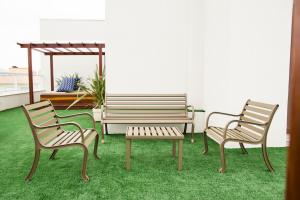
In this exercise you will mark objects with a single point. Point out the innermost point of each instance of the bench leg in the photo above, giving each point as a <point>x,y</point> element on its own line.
<point>34,164</point>
<point>128,154</point>
<point>243,148</point>
<point>174,148</point>
<point>106,129</point>
<point>96,147</point>
<point>193,128</point>
<point>102,135</point>
<point>180,146</point>
<point>84,163</point>
<point>52,157</point>
<point>184,129</point>
<point>266,157</point>
<point>223,161</point>
<point>205,143</point>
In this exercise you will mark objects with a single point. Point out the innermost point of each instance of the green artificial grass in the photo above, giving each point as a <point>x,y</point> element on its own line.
<point>153,173</point>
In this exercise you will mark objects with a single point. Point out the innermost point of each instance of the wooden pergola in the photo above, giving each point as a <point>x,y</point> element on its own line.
<point>61,49</point>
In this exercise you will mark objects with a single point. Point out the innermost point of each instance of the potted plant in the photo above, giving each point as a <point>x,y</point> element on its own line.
<point>95,87</point>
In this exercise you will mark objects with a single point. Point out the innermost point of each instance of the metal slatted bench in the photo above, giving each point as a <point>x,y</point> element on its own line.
<point>154,133</point>
<point>251,127</point>
<point>147,109</point>
<point>48,133</point>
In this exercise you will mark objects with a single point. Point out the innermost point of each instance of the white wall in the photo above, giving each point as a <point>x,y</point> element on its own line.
<point>16,100</point>
<point>247,45</point>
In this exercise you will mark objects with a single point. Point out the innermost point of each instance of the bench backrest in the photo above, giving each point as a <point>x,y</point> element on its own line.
<point>257,112</point>
<point>156,106</point>
<point>42,114</point>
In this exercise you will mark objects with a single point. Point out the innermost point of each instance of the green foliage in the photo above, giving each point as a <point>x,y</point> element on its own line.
<point>95,87</point>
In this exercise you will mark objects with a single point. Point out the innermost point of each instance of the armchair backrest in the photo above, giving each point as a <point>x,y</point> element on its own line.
<point>257,112</point>
<point>42,114</point>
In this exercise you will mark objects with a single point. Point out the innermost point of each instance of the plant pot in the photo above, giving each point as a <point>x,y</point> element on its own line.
<point>97,114</point>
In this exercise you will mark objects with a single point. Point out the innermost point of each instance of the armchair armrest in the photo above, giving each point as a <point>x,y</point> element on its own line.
<point>220,113</point>
<point>63,124</point>
<point>193,111</point>
<point>241,121</point>
<point>79,114</point>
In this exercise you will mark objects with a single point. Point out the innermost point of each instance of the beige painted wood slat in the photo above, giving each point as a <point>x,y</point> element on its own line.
<point>262,105</point>
<point>110,115</point>
<point>49,122</point>
<point>86,134</point>
<point>41,111</point>
<point>44,132</point>
<point>43,118</point>
<point>170,131</point>
<point>250,120</point>
<point>215,136</point>
<point>56,139</point>
<point>147,111</point>
<point>146,121</point>
<point>90,138</point>
<point>256,116</point>
<point>165,132</point>
<point>146,95</point>
<point>37,105</point>
<point>258,110</point>
<point>176,131</point>
<point>70,138</point>
<point>249,133</point>
<point>135,131</point>
<point>253,128</point>
<point>148,132</point>
<point>145,107</point>
<point>50,137</point>
<point>129,131</point>
<point>122,103</point>
<point>155,133</point>
<point>149,98</point>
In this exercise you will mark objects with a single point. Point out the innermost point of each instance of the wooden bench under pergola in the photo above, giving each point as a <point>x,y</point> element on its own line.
<point>61,49</point>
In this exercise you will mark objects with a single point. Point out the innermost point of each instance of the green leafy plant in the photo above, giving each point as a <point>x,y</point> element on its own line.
<point>95,87</point>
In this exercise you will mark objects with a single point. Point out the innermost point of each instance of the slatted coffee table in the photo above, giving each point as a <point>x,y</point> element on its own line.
<point>154,133</point>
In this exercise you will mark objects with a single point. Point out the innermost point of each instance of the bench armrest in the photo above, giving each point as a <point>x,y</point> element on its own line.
<point>240,121</point>
<point>193,111</point>
<point>63,124</point>
<point>79,114</point>
<point>220,113</point>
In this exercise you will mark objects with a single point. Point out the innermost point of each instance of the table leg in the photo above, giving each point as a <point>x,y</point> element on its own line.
<point>180,145</point>
<point>128,152</point>
<point>174,148</point>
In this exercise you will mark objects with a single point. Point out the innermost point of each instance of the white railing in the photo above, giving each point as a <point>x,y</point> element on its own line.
<point>14,83</point>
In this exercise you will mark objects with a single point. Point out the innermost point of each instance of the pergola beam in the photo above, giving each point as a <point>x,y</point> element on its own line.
<point>62,45</point>
<point>73,53</point>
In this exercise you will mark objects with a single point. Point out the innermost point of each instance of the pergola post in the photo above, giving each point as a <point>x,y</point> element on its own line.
<point>30,75</point>
<point>51,72</point>
<point>100,62</point>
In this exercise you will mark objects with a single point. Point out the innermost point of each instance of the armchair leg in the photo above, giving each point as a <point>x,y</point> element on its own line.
<point>184,129</point>
<point>243,148</point>
<point>205,143</point>
<point>34,164</point>
<point>266,158</point>
<point>96,147</point>
<point>222,154</point>
<point>52,157</point>
<point>84,163</point>
<point>106,129</point>
<point>193,128</point>
<point>102,135</point>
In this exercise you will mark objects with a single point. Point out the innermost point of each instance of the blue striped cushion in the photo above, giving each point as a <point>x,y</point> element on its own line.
<point>67,85</point>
